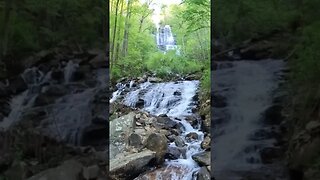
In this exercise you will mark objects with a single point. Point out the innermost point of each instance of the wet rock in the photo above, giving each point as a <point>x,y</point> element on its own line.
<point>131,165</point>
<point>203,158</point>
<point>56,90</point>
<point>69,170</point>
<point>140,103</point>
<point>191,137</point>
<point>135,140</point>
<point>269,154</point>
<point>91,172</point>
<point>203,174</point>
<point>164,173</point>
<point>256,51</point>
<point>206,143</point>
<point>177,93</point>
<point>192,120</point>
<point>166,122</point>
<point>157,143</point>
<point>179,141</point>
<point>176,153</point>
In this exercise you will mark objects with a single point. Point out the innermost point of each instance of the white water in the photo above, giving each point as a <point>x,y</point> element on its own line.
<point>162,98</point>
<point>248,87</point>
<point>165,39</point>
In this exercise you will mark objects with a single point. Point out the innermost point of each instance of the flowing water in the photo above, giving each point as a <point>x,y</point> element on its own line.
<point>69,115</point>
<point>166,40</point>
<point>243,91</point>
<point>175,99</point>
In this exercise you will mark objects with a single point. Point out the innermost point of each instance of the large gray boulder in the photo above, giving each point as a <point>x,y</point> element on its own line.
<point>130,165</point>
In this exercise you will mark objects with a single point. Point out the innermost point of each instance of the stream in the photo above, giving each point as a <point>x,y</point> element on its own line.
<point>176,100</point>
<point>243,93</point>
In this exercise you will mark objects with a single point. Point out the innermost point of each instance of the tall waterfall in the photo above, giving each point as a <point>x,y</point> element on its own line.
<point>165,39</point>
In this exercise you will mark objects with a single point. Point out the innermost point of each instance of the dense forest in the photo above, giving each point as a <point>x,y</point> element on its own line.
<point>133,48</point>
<point>29,26</point>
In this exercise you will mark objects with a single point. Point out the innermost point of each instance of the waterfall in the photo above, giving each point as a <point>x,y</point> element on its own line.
<point>165,39</point>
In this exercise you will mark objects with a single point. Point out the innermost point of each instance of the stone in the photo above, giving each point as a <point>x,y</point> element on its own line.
<point>140,103</point>
<point>166,173</point>
<point>179,142</point>
<point>177,93</point>
<point>166,122</point>
<point>131,165</point>
<point>176,153</point>
<point>157,143</point>
<point>154,79</point>
<point>206,143</point>
<point>203,158</point>
<point>203,174</point>
<point>192,120</point>
<point>69,170</point>
<point>124,124</point>
<point>135,140</point>
<point>191,137</point>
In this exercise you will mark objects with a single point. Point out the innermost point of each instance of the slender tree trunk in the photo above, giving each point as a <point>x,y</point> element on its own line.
<point>118,34</point>
<point>114,33</point>
<point>126,30</point>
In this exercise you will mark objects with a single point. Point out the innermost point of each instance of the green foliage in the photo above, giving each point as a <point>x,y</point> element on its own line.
<point>170,63</point>
<point>35,24</point>
<point>241,20</point>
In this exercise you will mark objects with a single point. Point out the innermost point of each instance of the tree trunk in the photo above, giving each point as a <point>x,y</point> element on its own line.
<point>114,33</point>
<point>126,30</point>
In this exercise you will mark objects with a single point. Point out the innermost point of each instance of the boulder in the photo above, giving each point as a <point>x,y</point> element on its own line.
<point>159,144</point>
<point>206,143</point>
<point>166,123</point>
<point>124,124</point>
<point>191,137</point>
<point>167,173</point>
<point>273,116</point>
<point>135,140</point>
<point>179,141</point>
<point>203,174</point>
<point>203,158</point>
<point>131,165</point>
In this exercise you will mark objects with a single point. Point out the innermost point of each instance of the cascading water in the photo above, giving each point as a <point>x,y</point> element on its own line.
<point>175,99</point>
<point>34,79</point>
<point>165,39</point>
<point>69,114</point>
<point>243,91</point>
